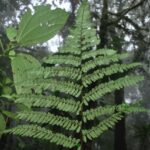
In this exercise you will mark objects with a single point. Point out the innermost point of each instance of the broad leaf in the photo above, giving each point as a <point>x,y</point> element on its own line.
<point>11,33</point>
<point>40,26</point>
<point>22,64</point>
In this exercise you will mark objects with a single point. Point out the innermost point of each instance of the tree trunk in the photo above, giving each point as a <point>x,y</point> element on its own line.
<point>120,129</point>
<point>103,25</point>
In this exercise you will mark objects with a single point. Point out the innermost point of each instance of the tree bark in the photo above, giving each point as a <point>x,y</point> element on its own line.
<point>103,25</point>
<point>120,128</point>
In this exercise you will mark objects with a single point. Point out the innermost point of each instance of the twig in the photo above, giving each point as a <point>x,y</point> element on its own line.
<point>1,44</point>
<point>122,14</point>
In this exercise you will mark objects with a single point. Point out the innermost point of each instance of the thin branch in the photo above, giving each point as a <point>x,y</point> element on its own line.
<point>122,14</point>
<point>133,23</point>
<point>136,26</point>
<point>125,11</point>
<point>1,45</point>
<point>130,32</point>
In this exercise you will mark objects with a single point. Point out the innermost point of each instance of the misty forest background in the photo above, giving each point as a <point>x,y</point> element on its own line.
<point>123,25</point>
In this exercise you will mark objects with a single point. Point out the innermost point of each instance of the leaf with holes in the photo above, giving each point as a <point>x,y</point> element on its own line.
<point>40,26</point>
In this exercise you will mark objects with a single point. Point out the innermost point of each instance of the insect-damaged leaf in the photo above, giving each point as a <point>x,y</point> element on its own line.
<point>40,26</point>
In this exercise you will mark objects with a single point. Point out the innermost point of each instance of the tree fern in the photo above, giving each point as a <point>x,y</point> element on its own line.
<point>65,86</point>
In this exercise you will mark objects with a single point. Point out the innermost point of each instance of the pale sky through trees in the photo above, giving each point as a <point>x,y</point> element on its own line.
<point>56,41</point>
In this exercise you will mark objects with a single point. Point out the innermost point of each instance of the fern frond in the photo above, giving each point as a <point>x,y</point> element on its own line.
<point>83,29</point>
<point>103,60</point>
<point>66,84</point>
<point>63,104</point>
<point>110,86</point>
<point>69,48</point>
<point>66,60</point>
<point>41,133</point>
<point>90,39</point>
<point>112,69</point>
<point>67,72</point>
<point>49,118</point>
<point>131,108</point>
<point>67,87</point>
<point>57,71</point>
<point>71,45</point>
<point>95,53</point>
<point>93,113</point>
<point>96,131</point>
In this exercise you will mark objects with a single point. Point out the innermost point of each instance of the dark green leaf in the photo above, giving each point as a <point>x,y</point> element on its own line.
<point>7,90</point>
<point>2,124</point>
<point>9,114</point>
<point>22,107</point>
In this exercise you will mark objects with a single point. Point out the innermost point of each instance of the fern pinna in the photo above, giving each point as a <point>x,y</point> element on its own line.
<point>64,90</point>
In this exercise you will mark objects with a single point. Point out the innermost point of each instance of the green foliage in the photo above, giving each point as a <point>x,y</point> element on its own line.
<point>93,113</point>
<point>2,124</point>
<point>5,89</point>
<point>107,71</point>
<point>49,118</point>
<point>9,114</point>
<point>78,75</point>
<point>104,125</point>
<point>11,33</point>
<point>44,134</point>
<point>33,28</point>
<point>110,86</point>
<point>38,26</point>
<point>23,63</point>
<point>38,100</point>
<point>5,83</point>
